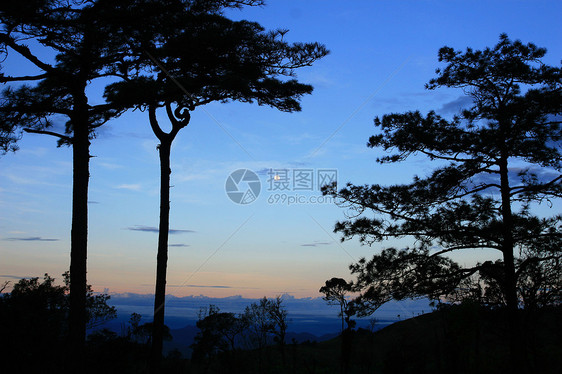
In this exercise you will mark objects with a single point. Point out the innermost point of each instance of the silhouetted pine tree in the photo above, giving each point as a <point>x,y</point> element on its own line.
<point>204,57</point>
<point>497,160</point>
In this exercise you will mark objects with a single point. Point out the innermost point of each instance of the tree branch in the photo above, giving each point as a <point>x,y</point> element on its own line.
<point>5,79</point>
<point>535,188</point>
<point>25,52</point>
<point>450,249</point>
<point>44,132</point>
<point>3,287</point>
<point>161,135</point>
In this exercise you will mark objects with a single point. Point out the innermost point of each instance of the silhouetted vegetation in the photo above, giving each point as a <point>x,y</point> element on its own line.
<point>498,159</point>
<point>34,322</point>
<point>222,335</point>
<point>204,57</point>
<point>86,43</point>
<point>337,292</point>
<point>219,336</point>
<point>462,338</point>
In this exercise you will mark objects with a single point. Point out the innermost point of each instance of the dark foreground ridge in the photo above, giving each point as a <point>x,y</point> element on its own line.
<point>453,339</point>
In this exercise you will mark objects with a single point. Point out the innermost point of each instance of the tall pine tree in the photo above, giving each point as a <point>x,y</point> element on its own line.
<point>209,58</point>
<point>497,160</point>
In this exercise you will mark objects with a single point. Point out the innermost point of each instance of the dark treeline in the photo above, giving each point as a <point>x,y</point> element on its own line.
<point>462,337</point>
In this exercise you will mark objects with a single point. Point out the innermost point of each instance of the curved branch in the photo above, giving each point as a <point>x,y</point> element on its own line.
<point>179,117</point>
<point>171,117</point>
<point>161,135</point>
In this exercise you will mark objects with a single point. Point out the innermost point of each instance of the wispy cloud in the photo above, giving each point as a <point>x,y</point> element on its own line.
<point>155,229</point>
<point>110,166</point>
<point>289,165</point>
<point>263,171</point>
<point>24,180</point>
<point>300,138</point>
<point>455,106</point>
<point>316,244</point>
<point>198,286</point>
<point>10,276</point>
<point>320,79</point>
<point>178,245</point>
<point>130,187</point>
<point>32,239</point>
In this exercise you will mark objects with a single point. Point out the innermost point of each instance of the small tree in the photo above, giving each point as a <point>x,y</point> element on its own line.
<point>266,322</point>
<point>539,281</point>
<point>278,315</point>
<point>337,292</point>
<point>131,331</point>
<point>259,322</point>
<point>218,333</point>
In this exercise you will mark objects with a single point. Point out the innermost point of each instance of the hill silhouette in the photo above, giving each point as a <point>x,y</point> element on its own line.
<point>464,338</point>
<point>460,339</point>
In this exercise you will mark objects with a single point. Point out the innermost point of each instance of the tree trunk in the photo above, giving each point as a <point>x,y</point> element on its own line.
<point>510,282</point>
<point>507,247</point>
<point>79,244</point>
<point>162,257</point>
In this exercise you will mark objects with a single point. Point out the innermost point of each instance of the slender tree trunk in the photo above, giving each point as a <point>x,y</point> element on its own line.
<point>162,257</point>
<point>509,261</point>
<point>510,282</point>
<point>164,148</point>
<point>79,242</point>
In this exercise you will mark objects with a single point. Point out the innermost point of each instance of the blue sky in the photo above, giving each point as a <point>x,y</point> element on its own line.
<point>382,53</point>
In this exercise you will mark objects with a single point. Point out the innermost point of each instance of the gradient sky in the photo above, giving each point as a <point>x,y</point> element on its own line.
<point>382,53</point>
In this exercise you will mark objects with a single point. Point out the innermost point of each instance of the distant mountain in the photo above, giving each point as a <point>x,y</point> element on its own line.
<point>182,311</point>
